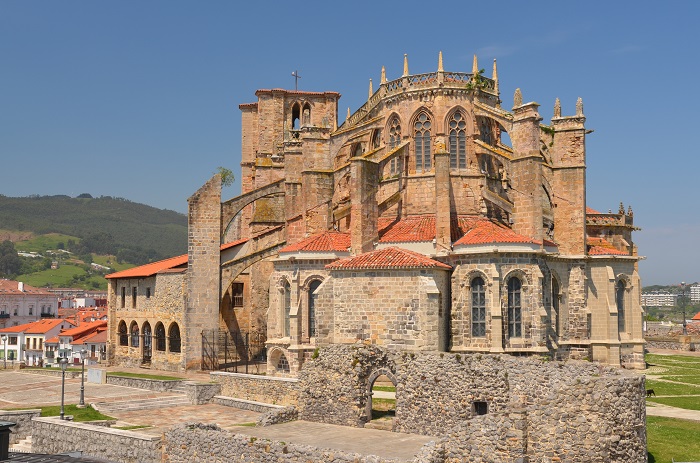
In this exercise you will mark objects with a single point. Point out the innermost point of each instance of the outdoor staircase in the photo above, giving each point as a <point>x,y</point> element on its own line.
<point>23,446</point>
<point>142,404</point>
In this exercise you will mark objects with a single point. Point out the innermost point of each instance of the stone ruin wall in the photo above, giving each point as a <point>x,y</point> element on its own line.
<point>576,411</point>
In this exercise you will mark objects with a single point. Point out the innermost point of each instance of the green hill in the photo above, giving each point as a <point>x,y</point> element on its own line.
<point>132,232</point>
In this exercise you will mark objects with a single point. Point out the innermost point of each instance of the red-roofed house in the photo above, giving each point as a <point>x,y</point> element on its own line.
<point>21,303</point>
<point>72,340</point>
<point>411,226</point>
<point>26,342</point>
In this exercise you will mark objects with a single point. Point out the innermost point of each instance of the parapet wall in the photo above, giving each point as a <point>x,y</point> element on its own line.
<point>271,390</point>
<point>22,420</point>
<point>52,436</point>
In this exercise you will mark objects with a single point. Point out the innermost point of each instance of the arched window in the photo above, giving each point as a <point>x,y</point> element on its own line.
<point>394,141</point>
<point>515,315</point>
<point>123,334</point>
<point>287,307</point>
<point>296,114</point>
<point>357,150</point>
<point>555,305</point>
<point>174,335</point>
<point>312,307</point>
<point>478,307</point>
<point>306,116</point>
<point>134,334</point>
<point>458,141</point>
<point>147,341</point>
<point>421,138</point>
<point>376,138</point>
<point>160,337</point>
<point>282,364</point>
<point>620,299</point>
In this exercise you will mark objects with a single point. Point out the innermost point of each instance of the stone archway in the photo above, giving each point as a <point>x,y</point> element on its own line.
<point>376,406</point>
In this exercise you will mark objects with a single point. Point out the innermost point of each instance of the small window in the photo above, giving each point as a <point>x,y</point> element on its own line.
<point>31,310</point>
<point>133,297</point>
<point>123,304</point>
<point>480,407</point>
<point>478,307</point>
<point>237,291</point>
<point>148,293</point>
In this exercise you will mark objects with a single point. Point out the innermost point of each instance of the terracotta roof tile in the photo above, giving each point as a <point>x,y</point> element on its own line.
<point>590,210</point>
<point>93,338</point>
<point>696,317</point>
<point>410,229</point>
<point>37,327</point>
<point>12,287</point>
<point>480,230</point>
<point>233,244</point>
<point>330,241</point>
<point>387,258</point>
<point>84,328</point>
<point>601,247</point>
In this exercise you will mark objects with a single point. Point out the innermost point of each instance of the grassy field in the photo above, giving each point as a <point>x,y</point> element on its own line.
<point>41,243</point>
<point>678,377</point>
<point>64,276</point>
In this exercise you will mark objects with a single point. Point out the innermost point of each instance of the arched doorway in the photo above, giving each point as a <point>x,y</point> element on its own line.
<point>381,400</point>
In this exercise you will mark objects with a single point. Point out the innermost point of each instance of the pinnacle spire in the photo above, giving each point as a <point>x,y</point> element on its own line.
<point>383,81</point>
<point>475,66</point>
<point>579,107</point>
<point>440,68</point>
<point>370,90</point>
<point>405,65</point>
<point>557,108</point>
<point>348,117</point>
<point>494,76</point>
<point>517,98</point>
<point>622,208</point>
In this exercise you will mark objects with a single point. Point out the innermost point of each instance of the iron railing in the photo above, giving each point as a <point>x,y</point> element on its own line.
<point>234,351</point>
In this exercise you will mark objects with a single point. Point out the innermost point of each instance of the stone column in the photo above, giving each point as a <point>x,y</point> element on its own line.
<point>443,188</point>
<point>364,176</point>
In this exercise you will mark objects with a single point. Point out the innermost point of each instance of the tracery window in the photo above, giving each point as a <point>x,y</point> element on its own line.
<point>478,307</point>
<point>485,134</point>
<point>394,141</point>
<point>287,307</point>
<point>458,141</point>
<point>620,299</point>
<point>134,334</point>
<point>123,334</point>
<point>515,316</point>
<point>421,138</point>
<point>312,307</point>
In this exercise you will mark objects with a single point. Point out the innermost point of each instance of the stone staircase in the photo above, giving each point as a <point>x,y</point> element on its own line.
<point>23,446</point>
<point>142,404</point>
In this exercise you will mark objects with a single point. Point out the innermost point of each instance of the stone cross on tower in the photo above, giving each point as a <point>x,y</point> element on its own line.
<point>296,76</point>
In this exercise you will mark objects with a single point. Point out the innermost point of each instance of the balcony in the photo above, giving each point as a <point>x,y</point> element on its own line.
<point>4,315</point>
<point>47,315</point>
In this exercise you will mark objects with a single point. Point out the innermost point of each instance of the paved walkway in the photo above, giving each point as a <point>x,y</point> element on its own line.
<point>385,444</point>
<point>654,409</point>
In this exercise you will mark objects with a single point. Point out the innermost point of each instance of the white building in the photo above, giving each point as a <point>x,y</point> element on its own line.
<point>659,299</point>
<point>695,293</point>
<point>21,303</point>
<point>25,343</point>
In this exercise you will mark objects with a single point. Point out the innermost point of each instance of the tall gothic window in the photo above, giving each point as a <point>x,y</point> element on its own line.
<point>555,305</point>
<point>485,133</point>
<point>620,299</point>
<point>421,138</point>
<point>174,335</point>
<point>160,337</point>
<point>312,307</point>
<point>458,141</point>
<point>134,334</point>
<point>478,307</point>
<point>123,334</point>
<point>394,141</point>
<point>515,314</point>
<point>287,307</point>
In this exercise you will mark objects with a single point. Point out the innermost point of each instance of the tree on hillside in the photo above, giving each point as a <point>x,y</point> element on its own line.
<point>10,262</point>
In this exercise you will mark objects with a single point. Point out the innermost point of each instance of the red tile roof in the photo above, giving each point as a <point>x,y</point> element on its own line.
<point>38,327</point>
<point>602,247</point>
<point>590,210</point>
<point>53,340</point>
<point>97,337</point>
<point>165,264</point>
<point>406,230</point>
<point>696,317</point>
<point>331,240</point>
<point>84,328</point>
<point>387,258</point>
<point>480,230</point>
<point>12,287</point>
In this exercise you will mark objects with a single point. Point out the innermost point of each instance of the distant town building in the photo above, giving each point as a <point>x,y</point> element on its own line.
<point>21,303</point>
<point>659,299</point>
<point>695,293</point>
<point>26,342</point>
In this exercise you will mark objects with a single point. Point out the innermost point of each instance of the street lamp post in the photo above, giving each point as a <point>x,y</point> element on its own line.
<point>63,361</point>
<point>83,354</point>
<point>4,352</point>
<point>685,325</point>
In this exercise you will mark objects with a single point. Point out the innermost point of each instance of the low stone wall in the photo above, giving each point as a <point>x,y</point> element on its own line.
<point>22,420</point>
<point>271,390</point>
<point>158,385</point>
<point>282,415</point>
<point>684,343</point>
<point>51,372</point>
<point>201,393</point>
<point>52,435</point>
<point>245,404</point>
<point>208,443</point>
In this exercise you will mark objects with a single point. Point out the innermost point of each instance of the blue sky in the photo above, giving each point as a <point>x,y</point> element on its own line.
<point>140,99</point>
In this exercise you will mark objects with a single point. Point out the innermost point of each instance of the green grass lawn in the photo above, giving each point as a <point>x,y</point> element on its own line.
<point>689,403</point>
<point>60,277</point>
<point>78,414</point>
<point>144,376</point>
<point>384,388</point>
<point>665,388</point>
<point>43,242</point>
<point>671,439</point>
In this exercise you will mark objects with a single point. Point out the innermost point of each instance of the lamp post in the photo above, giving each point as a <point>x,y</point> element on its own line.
<point>4,352</point>
<point>83,354</point>
<point>685,325</point>
<point>63,361</point>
